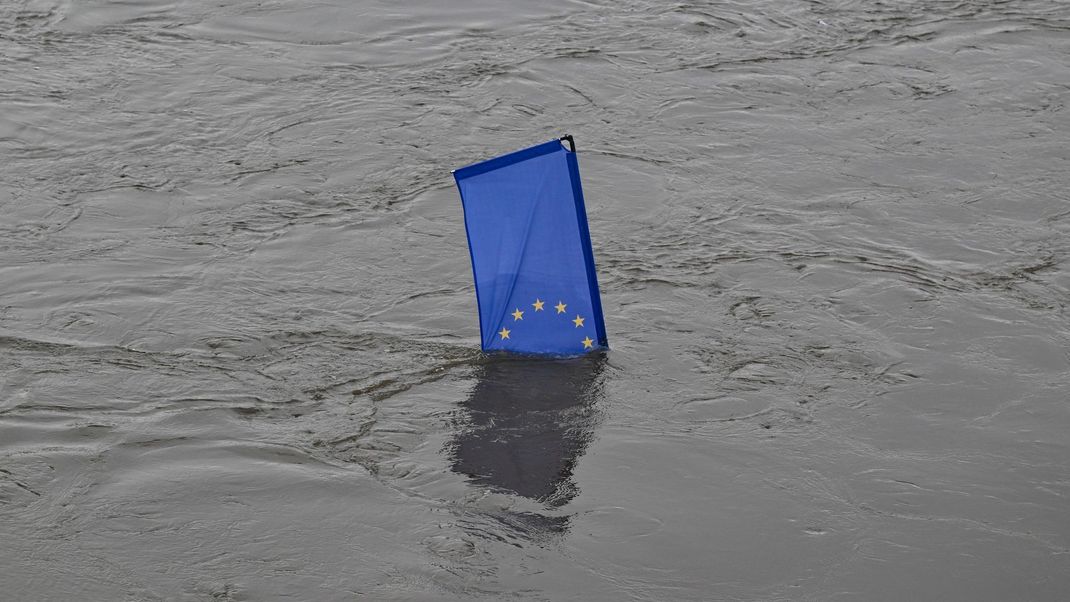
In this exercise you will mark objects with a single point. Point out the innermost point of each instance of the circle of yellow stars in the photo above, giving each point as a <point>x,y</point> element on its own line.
<point>561,307</point>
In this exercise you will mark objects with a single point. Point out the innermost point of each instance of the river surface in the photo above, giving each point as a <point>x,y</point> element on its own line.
<point>239,348</point>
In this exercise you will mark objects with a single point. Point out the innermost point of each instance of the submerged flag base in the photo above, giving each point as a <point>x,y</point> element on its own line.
<point>531,252</point>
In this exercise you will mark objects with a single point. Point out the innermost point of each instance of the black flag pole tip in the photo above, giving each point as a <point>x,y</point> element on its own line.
<point>571,142</point>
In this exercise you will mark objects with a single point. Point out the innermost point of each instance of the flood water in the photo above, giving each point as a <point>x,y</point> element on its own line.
<point>239,348</point>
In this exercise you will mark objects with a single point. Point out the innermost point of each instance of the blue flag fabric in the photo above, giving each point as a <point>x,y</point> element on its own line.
<point>531,253</point>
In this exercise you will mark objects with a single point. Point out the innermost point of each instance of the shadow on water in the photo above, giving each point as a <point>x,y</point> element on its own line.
<point>529,421</point>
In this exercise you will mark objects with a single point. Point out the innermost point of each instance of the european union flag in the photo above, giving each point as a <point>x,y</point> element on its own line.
<point>531,252</point>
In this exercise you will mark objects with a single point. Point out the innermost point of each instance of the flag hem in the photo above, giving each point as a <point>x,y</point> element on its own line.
<point>505,160</point>
<point>588,251</point>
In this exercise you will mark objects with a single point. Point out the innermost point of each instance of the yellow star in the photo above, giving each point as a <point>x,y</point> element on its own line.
<point>538,304</point>
<point>588,343</point>
<point>578,321</point>
<point>518,315</point>
<point>560,307</point>
<point>504,333</point>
